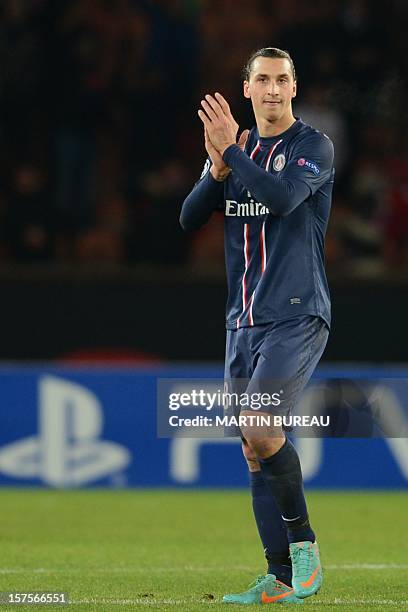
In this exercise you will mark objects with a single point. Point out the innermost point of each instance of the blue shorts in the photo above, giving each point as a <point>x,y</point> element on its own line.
<point>276,358</point>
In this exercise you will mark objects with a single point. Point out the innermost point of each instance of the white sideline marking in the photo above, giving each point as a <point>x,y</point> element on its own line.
<point>185,568</point>
<point>132,602</point>
<point>367,566</point>
<point>337,601</point>
<point>176,602</point>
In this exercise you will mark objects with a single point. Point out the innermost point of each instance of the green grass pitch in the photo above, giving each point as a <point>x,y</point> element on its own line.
<point>182,550</point>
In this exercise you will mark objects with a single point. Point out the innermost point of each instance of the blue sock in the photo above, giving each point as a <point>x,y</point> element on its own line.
<point>271,528</point>
<point>283,475</point>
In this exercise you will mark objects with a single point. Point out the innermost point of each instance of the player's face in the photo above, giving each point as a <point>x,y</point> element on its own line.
<point>271,88</point>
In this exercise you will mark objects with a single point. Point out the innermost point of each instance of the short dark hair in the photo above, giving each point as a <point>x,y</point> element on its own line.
<point>268,52</point>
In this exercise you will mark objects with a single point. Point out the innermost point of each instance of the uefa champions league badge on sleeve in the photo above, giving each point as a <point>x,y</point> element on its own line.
<point>308,164</point>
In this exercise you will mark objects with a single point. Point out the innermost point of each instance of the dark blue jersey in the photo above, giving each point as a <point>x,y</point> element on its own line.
<point>276,204</point>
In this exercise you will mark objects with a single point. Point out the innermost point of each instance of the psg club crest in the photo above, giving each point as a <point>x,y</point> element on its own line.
<point>279,162</point>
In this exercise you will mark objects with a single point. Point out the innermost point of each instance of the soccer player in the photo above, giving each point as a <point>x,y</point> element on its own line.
<point>274,187</point>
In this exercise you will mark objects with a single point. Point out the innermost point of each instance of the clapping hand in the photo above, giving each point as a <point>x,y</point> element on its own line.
<point>220,131</point>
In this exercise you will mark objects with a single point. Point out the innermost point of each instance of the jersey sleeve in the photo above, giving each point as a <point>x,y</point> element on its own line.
<point>311,162</point>
<point>308,169</point>
<point>205,197</point>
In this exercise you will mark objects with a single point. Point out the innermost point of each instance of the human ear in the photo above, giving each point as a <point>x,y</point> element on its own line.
<point>247,92</point>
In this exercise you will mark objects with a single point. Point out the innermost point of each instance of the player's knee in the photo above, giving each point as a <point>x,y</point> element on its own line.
<point>249,454</point>
<point>261,441</point>
<point>250,457</point>
<point>265,447</point>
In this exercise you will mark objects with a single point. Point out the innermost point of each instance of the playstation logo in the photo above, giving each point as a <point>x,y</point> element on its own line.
<point>68,451</point>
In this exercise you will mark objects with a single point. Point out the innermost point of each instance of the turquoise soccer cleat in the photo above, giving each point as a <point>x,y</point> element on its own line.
<point>307,576</point>
<point>264,590</point>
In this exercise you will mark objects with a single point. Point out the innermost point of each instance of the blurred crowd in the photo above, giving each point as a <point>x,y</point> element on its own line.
<point>100,140</point>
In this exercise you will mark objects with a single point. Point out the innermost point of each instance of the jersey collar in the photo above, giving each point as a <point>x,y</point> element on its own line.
<point>270,140</point>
